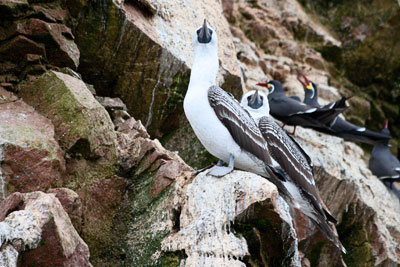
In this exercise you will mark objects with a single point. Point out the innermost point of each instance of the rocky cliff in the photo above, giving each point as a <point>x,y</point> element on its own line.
<point>87,87</point>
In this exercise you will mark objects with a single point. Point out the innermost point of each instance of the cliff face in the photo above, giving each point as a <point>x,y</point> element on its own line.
<point>86,87</point>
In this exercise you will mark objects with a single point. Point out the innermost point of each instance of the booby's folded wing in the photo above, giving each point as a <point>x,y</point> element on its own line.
<point>239,123</point>
<point>246,134</point>
<point>293,160</point>
<point>299,172</point>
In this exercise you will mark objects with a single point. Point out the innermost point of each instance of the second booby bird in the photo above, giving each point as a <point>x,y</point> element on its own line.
<point>292,112</point>
<point>294,161</point>
<point>341,127</point>
<point>223,127</point>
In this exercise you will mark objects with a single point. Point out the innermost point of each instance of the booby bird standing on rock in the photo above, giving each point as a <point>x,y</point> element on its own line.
<point>292,112</point>
<point>294,161</point>
<point>341,127</point>
<point>383,163</point>
<point>224,128</point>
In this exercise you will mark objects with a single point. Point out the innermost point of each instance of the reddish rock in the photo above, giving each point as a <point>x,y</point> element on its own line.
<point>30,156</point>
<point>111,103</point>
<point>45,233</point>
<point>13,8</point>
<point>72,205</point>
<point>14,202</point>
<point>18,47</point>
<point>6,96</point>
<point>60,47</point>
<point>102,199</point>
<point>81,124</point>
<point>166,175</point>
<point>54,15</point>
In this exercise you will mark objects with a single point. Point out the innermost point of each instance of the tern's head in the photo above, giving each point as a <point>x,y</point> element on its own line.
<point>205,38</point>
<point>310,89</point>
<point>256,102</point>
<point>273,86</point>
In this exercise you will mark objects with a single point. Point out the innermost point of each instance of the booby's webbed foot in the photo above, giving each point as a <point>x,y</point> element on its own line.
<point>219,171</point>
<point>219,163</point>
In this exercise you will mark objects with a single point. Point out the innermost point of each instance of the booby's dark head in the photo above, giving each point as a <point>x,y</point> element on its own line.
<point>310,89</point>
<point>204,34</point>
<point>256,102</point>
<point>274,87</point>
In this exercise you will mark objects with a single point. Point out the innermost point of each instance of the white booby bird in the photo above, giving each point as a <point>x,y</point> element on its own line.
<point>340,127</point>
<point>292,112</point>
<point>383,163</point>
<point>222,125</point>
<point>294,161</point>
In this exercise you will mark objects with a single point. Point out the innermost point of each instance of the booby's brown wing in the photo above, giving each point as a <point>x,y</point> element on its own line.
<point>296,164</point>
<point>246,134</point>
<point>239,123</point>
<point>289,155</point>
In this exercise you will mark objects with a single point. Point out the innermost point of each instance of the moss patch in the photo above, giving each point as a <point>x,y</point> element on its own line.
<point>355,238</point>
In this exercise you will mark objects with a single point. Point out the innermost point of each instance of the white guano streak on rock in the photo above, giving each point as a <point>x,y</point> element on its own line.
<point>163,68</point>
<point>18,226</point>
<point>212,204</point>
<point>2,175</point>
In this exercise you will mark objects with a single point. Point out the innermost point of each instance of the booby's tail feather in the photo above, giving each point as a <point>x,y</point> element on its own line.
<point>329,217</point>
<point>328,232</point>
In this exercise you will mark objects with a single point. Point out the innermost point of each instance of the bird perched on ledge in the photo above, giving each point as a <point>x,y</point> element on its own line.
<point>341,127</point>
<point>223,127</point>
<point>227,130</point>
<point>294,161</point>
<point>383,163</point>
<point>292,112</point>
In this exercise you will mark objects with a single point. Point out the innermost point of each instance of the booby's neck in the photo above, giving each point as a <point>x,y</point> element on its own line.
<point>204,68</point>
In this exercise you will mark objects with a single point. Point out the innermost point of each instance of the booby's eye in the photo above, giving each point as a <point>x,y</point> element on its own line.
<point>262,98</point>
<point>249,97</point>
<point>209,31</point>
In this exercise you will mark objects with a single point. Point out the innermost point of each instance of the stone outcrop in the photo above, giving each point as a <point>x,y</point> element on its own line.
<point>35,230</point>
<point>81,123</point>
<point>144,217</point>
<point>83,86</point>
<point>71,203</point>
<point>216,216</point>
<point>153,83</point>
<point>30,156</point>
<point>367,210</point>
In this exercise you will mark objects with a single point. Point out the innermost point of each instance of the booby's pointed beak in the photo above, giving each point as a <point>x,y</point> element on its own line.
<point>255,101</point>
<point>386,123</point>
<point>204,36</point>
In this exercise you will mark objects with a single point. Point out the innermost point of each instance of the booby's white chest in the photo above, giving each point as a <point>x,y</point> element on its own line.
<point>208,128</point>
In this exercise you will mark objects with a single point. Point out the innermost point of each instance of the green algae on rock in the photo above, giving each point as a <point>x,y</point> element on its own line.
<point>82,125</point>
<point>31,158</point>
